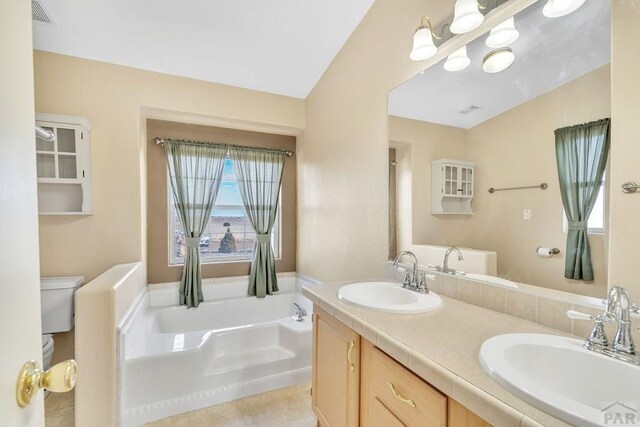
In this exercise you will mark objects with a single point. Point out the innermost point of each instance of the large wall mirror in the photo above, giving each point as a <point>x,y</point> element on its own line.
<point>454,135</point>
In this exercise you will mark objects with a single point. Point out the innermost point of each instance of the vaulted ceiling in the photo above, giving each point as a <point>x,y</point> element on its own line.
<point>276,46</point>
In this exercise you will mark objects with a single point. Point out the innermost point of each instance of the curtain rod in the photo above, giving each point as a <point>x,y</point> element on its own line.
<point>161,141</point>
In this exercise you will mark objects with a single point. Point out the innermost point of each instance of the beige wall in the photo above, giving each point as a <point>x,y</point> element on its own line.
<point>625,149</point>
<point>510,150</point>
<point>114,98</point>
<point>341,190</point>
<point>517,148</point>
<point>427,142</point>
<point>19,276</point>
<point>343,197</point>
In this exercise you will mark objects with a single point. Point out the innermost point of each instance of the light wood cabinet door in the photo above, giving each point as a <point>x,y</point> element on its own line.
<point>336,372</point>
<point>459,416</point>
<point>387,386</point>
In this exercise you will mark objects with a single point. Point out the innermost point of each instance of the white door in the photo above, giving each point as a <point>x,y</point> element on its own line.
<point>19,259</point>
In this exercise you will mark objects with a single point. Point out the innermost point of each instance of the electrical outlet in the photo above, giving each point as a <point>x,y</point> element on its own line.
<point>526,214</point>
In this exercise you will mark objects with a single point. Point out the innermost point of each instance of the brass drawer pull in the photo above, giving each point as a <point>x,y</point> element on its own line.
<point>352,345</point>
<point>399,397</point>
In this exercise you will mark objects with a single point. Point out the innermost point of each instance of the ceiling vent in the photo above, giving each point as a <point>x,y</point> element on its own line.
<point>471,108</point>
<point>38,13</point>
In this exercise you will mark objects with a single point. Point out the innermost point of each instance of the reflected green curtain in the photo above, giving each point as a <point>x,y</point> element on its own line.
<point>581,154</point>
<point>195,172</point>
<point>259,177</point>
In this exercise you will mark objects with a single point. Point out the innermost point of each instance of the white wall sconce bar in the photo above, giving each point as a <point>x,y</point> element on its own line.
<point>468,15</point>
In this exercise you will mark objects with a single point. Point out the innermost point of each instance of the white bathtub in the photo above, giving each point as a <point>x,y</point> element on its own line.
<point>174,359</point>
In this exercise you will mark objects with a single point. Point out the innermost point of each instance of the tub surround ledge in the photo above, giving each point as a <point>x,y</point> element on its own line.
<point>442,347</point>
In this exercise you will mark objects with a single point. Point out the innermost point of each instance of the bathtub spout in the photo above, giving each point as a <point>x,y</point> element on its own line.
<point>300,313</point>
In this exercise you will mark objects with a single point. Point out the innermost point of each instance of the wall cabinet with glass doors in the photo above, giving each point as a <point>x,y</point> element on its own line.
<point>64,166</point>
<point>451,186</point>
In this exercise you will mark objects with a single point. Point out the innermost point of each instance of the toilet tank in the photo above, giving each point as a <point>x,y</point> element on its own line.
<point>56,294</point>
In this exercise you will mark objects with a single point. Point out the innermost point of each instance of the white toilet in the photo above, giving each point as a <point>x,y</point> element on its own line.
<point>56,294</point>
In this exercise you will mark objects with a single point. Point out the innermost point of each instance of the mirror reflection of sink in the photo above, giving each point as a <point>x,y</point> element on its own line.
<point>559,376</point>
<point>388,297</point>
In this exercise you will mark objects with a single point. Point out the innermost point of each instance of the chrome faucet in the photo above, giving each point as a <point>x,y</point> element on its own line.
<point>411,278</point>
<point>618,309</point>
<point>300,313</point>
<point>445,263</point>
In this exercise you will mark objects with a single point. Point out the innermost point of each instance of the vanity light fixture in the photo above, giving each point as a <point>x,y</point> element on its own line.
<point>558,8</point>
<point>423,45</point>
<point>498,60</point>
<point>503,35</point>
<point>458,60</point>
<point>466,16</point>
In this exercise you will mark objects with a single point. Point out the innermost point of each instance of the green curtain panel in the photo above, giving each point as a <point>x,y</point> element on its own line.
<point>195,172</point>
<point>581,154</point>
<point>259,177</point>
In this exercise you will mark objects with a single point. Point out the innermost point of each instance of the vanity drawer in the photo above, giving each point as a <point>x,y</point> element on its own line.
<point>389,391</point>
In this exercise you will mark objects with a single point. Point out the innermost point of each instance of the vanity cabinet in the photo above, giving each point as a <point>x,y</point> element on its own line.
<point>452,183</point>
<point>64,166</point>
<point>390,394</point>
<point>356,384</point>
<point>335,373</point>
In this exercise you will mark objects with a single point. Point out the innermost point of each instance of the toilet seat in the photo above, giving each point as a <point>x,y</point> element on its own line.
<point>47,350</point>
<point>47,340</point>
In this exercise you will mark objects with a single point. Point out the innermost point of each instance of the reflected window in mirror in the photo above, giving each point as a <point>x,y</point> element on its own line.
<point>597,218</point>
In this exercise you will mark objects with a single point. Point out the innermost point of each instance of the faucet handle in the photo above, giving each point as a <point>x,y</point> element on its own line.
<point>597,339</point>
<point>577,315</point>
<point>634,308</point>
<point>408,279</point>
<point>422,285</point>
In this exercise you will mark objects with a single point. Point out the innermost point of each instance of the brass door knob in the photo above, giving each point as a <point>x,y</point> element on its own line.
<point>60,378</point>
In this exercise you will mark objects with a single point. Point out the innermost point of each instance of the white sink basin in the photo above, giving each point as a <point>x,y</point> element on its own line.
<point>557,375</point>
<point>388,297</point>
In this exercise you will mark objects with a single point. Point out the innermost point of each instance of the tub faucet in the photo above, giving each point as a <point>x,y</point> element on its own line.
<point>411,279</point>
<point>445,263</point>
<point>300,312</point>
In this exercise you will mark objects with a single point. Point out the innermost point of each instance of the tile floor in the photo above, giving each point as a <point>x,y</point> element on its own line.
<point>287,407</point>
<point>58,410</point>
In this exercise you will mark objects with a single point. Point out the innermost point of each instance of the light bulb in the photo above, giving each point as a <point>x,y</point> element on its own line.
<point>423,46</point>
<point>503,35</point>
<point>458,60</point>
<point>498,60</point>
<point>466,16</point>
<point>558,8</point>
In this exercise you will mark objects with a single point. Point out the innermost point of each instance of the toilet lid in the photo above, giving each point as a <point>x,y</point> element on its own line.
<point>47,340</point>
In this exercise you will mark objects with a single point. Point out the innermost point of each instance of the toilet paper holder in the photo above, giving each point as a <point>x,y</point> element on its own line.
<point>552,251</point>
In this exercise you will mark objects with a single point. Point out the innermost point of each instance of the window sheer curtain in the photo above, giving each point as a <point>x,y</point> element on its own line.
<point>195,172</point>
<point>581,154</point>
<point>259,177</point>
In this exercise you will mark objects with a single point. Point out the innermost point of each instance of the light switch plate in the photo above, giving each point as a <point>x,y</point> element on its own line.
<point>526,214</point>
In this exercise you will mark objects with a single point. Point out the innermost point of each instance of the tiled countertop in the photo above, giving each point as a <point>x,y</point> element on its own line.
<point>442,347</point>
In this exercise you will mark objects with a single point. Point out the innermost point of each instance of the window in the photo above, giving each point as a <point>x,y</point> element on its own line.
<point>229,235</point>
<point>597,217</point>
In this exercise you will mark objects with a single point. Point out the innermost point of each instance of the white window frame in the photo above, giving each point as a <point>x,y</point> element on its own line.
<point>592,230</point>
<point>276,237</point>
